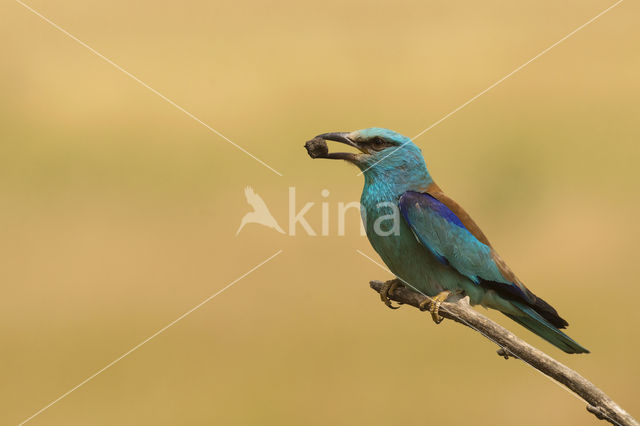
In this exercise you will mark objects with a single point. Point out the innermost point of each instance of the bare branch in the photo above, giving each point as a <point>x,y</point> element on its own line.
<point>600,404</point>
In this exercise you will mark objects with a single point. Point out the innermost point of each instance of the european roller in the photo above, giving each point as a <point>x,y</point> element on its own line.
<point>434,245</point>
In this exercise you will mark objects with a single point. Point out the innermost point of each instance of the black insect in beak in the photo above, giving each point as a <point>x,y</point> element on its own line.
<point>317,147</point>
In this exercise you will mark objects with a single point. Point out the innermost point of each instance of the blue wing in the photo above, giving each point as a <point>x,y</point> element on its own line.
<point>443,234</point>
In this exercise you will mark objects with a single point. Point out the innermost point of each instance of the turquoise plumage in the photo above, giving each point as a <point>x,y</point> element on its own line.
<point>429,241</point>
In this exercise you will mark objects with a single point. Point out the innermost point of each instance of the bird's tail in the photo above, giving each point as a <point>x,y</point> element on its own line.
<point>534,322</point>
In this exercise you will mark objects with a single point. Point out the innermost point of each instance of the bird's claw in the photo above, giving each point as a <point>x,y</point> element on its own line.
<point>434,305</point>
<point>387,290</point>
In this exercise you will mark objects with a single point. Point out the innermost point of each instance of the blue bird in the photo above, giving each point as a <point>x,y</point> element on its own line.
<point>428,241</point>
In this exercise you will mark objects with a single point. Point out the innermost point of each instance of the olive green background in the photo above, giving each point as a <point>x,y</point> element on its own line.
<point>118,212</point>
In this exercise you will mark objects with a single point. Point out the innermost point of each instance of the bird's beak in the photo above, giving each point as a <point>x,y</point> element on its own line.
<point>342,137</point>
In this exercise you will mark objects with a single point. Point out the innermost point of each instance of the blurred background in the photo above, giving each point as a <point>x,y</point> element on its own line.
<point>118,212</point>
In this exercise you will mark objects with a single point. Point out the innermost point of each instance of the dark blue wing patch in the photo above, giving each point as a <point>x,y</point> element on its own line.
<point>430,202</point>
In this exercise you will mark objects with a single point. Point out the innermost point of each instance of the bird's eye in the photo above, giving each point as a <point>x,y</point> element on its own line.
<point>378,144</point>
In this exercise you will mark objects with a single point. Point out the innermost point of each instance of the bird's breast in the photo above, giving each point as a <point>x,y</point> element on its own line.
<point>399,248</point>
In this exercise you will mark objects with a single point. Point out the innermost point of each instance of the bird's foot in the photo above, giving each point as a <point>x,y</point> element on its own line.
<point>434,305</point>
<point>387,290</point>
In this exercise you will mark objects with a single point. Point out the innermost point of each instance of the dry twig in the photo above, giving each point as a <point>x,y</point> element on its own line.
<point>600,404</point>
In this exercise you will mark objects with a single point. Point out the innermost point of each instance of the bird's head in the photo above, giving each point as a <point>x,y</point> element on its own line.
<point>381,151</point>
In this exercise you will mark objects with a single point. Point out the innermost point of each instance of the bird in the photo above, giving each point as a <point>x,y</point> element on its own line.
<point>433,245</point>
<point>260,213</point>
